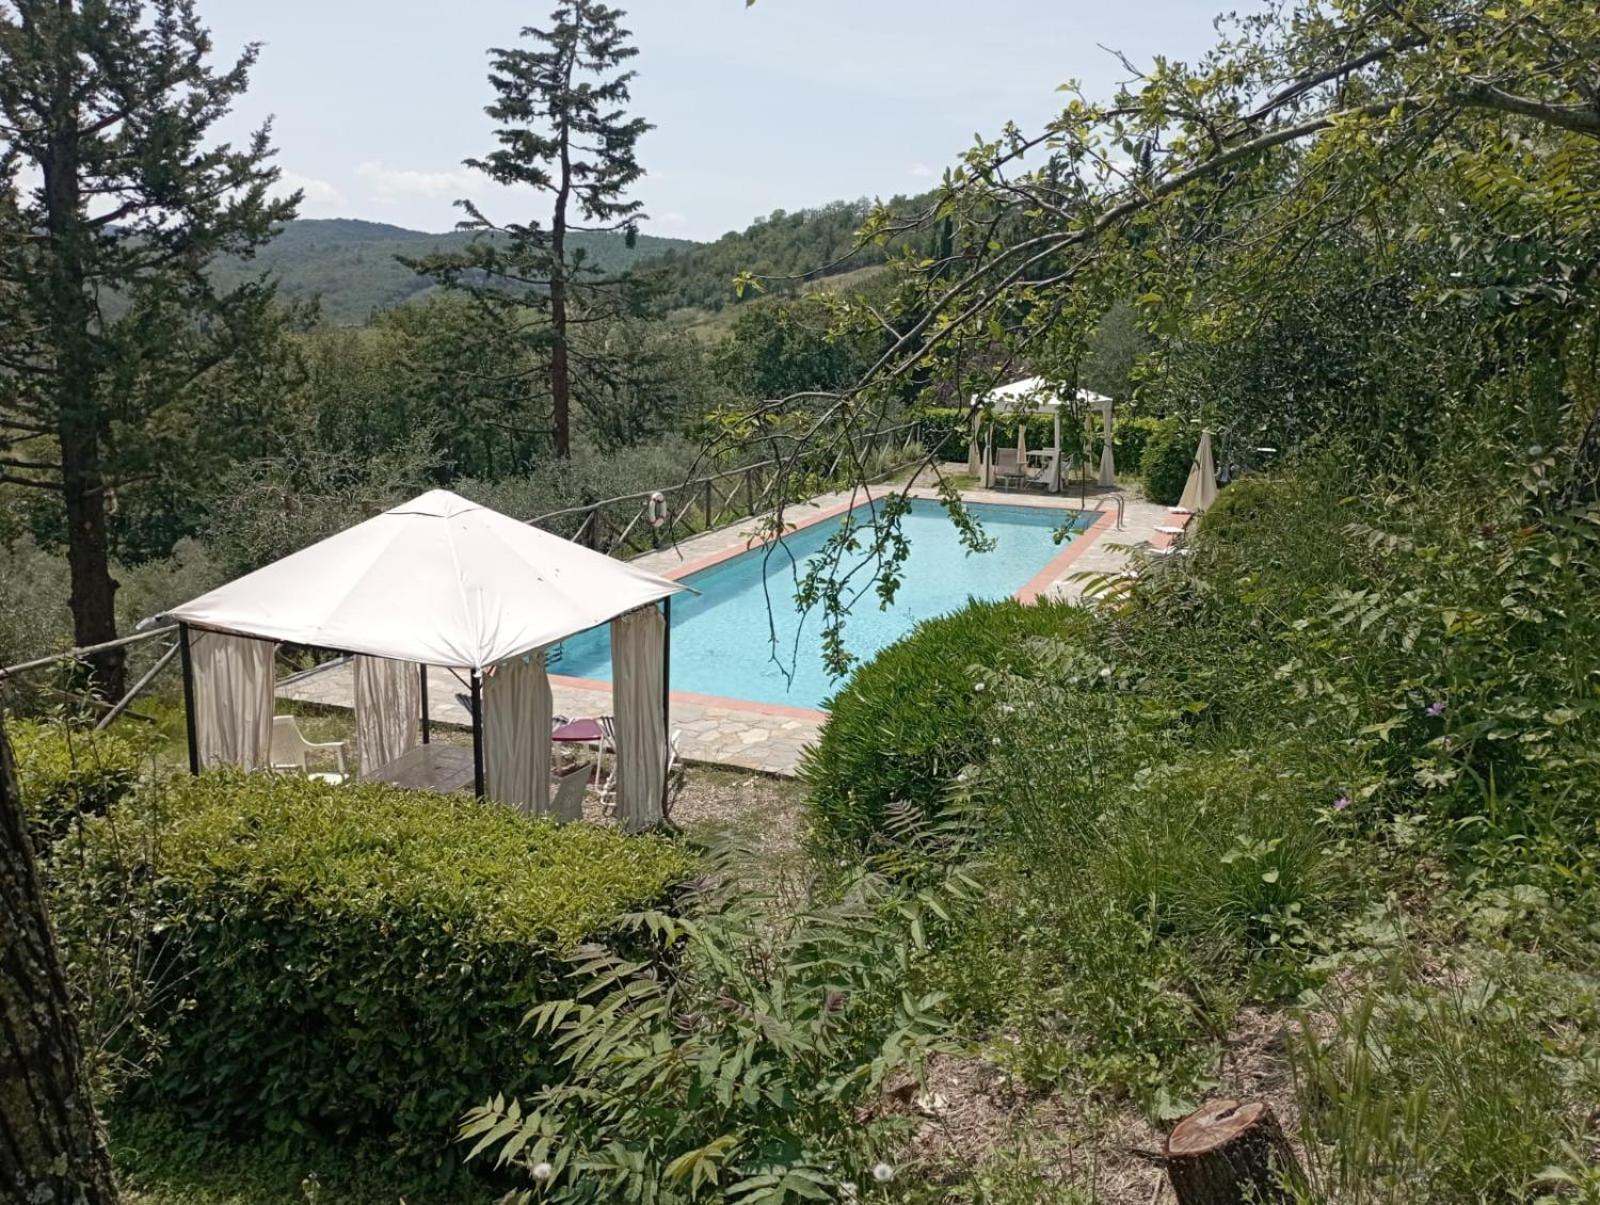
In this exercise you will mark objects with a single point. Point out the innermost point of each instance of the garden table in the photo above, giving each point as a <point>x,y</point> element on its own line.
<point>428,768</point>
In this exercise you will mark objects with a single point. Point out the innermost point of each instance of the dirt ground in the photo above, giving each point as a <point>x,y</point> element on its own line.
<point>971,1108</point>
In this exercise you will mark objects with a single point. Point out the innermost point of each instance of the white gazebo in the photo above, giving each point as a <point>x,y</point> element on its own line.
<point>1033,395</point>
<point>437,581</point>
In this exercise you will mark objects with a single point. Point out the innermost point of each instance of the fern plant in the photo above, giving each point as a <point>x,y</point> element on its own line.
<point>745,1057</point>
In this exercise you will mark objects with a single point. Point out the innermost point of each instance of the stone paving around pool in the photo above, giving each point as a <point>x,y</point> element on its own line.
<point>759,736</point>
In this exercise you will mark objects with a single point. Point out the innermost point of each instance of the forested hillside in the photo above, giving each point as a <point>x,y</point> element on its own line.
<point>355,267</point>
<point>808,244</point>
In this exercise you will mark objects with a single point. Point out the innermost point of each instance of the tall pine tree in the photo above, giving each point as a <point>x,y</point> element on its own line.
<point>563,130</point>
<point>113,202</point>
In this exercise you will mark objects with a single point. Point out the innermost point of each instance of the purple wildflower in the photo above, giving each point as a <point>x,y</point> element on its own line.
<point>1436,709</point>
<point>1341,803</point>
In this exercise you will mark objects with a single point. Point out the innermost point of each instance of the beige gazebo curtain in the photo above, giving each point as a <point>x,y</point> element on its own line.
<point>388,711</point>
<point>641,726</point>
<point>1108,460</point>
<point>233,687</point>
<point>517,709</point>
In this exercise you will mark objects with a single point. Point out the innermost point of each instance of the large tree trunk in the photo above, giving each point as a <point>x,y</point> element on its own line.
<point>560,371</point>
<point>52,1149</point>
<point>80,421</point>
<point>94,615</point>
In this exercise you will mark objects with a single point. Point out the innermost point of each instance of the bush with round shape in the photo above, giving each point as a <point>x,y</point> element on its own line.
<point>905,724</point>
<point>355,962</point>
<point>1168,457</point>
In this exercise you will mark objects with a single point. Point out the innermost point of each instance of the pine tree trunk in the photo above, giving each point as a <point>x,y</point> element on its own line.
<point>560,372</point>
<point>93,598</point>
<point>1231,1152</point>
<point>52,1149</point>
<point>80,423</point>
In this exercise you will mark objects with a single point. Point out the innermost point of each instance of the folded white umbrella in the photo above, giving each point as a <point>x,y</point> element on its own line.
<point>1200,491</point>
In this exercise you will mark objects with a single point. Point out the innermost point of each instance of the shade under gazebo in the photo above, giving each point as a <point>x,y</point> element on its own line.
<point>1034,395</point>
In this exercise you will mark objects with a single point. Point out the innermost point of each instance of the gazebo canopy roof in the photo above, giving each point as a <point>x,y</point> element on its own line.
<point>1037,395</point>
<point>437,580</point>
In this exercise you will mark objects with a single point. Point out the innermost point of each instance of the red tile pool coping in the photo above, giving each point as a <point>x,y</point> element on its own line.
<point>1029,593</point>
<point>1046,577</point>
<point>683,696</point>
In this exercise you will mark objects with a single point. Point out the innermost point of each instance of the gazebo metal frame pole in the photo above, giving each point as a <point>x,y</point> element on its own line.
<point>666,691</point>
<point>476,688</point>
<point>188,699</point>
<point>422,679</point>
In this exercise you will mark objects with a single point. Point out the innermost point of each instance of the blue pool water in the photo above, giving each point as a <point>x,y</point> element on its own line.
<point>722,638</point>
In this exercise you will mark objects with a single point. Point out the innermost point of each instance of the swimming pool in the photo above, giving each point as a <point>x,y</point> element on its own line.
<point>722,638</point>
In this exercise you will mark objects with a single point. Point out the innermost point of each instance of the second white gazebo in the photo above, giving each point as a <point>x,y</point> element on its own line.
<point>1034,395</point>
<point>437,581</point>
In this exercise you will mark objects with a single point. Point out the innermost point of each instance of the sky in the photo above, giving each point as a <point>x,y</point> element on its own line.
<point>784,105</point>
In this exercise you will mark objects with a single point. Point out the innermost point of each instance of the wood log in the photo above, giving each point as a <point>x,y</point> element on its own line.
<point>1232,1152</point>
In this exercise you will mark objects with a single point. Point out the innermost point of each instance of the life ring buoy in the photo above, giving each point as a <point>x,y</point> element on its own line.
<point>658,509</point>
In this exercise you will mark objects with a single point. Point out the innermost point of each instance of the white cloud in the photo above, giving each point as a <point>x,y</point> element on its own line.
<point>392,184</point>
<point>670,219</point>
<point>320,196</point>
<point>921,171</point>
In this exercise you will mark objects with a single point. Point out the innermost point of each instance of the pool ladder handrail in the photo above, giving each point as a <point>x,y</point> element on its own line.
<point>1119,499</point>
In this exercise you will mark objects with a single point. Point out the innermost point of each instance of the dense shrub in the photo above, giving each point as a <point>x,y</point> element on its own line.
<point>903,726</point>
<point>354,962</point>
<point>1129,437</point>
<point>1168,456</point>
<point>66,772</point>
<point>747,1061</point>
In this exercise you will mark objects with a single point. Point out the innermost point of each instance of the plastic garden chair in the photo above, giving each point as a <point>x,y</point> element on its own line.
<point>290,748</point>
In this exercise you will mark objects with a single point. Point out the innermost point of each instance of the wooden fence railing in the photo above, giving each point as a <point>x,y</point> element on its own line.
<point>622,526</point>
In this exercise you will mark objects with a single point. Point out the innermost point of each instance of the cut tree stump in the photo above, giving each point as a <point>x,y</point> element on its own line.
<point>1232,1152</point>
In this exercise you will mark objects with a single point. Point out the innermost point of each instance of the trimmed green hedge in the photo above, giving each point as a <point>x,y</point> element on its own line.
<point>905,724</point>
<point>1168,457</point>
<point>355,962</point>
<point>1128,439</point>
<point>65,772</point>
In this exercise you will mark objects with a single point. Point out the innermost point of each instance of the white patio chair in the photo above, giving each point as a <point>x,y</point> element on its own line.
<point>290,747</point>
<point>567,804</point>
<point>675,775</point>
<point>1007,465</point>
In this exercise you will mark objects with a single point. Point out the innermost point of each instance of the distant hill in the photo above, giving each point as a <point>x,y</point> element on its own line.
<point>808,243</point>
<point>351,264</point>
